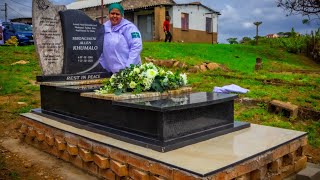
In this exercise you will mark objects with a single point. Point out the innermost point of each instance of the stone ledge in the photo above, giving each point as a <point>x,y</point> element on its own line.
<point>136,96</point>
<point>71,83</point>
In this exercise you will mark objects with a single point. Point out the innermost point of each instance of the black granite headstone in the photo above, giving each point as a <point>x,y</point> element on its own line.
<point>83,42</point>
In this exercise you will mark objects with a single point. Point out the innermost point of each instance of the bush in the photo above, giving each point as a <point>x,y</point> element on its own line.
<point>308,44</point>
<point>313,45</point>
<point>295,44</point>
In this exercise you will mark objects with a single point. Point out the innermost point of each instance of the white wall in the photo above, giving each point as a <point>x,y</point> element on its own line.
<point>197,17</point>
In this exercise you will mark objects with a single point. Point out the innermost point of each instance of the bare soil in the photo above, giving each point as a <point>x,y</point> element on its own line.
<point>24,161</point>
<point>21,161</point>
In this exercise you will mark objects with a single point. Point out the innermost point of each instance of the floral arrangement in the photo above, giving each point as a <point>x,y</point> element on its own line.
<point>142,78</point>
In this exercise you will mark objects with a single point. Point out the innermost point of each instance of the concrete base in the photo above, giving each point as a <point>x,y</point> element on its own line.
<point>257,152</point>
<point>311,172</point>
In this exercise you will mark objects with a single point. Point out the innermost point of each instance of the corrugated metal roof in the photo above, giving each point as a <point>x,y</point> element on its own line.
<point>89,3</point>
<point>137,4</point>
<point>132,4</point>
<point>199,4</point>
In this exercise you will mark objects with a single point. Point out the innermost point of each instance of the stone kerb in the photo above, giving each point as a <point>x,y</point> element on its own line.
<point>286,108</point>
<point>113,97</point>
<point>111,163</point>
<point>182,65</point>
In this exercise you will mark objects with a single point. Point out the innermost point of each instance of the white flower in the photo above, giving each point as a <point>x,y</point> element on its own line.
<point>151,73</point>
<point>147,83</point>
<point>120,86</point>
<point>132,84</point>
<point>184,78</point>
<point>136,70</point>
<point>112,78</point>
<point>165,80</point>
<point>162,72</point>
<point>169,73</point>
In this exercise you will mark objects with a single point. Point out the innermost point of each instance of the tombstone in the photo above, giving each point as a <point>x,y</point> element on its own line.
<point>83,42</point>
<point>258,64</point>
<point>68,43</point>
<point>48,38</point>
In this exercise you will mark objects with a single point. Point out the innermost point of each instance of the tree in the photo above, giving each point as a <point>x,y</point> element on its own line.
<point>310,8</point>
<point>281,34</point>
<point>293,33</point>
<point>245,40</point>
<point>257,24</point>
<point>232,40</point>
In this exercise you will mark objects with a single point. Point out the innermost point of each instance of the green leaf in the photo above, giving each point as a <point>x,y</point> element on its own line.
<point>118,92</point>
<point>157,86</point>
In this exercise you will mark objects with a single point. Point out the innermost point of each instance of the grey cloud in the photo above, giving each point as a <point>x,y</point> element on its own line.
<point>236,19</point>
<point>18,8</point>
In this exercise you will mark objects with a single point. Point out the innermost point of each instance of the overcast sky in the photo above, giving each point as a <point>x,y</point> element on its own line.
<point>236,20</point>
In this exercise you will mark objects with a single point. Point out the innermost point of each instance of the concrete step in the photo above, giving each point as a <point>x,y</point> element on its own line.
<point>311,172</point>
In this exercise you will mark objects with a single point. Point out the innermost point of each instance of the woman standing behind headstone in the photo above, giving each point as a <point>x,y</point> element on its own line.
<point>122,41</point>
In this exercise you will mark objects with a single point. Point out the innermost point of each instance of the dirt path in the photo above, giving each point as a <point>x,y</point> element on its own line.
<point>25,162</point>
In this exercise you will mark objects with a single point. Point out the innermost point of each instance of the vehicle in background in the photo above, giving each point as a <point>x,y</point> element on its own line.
<point>22,31</point>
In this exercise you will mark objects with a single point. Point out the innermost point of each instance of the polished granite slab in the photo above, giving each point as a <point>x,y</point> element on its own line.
<point>178,102</point>
<point>201,158</point>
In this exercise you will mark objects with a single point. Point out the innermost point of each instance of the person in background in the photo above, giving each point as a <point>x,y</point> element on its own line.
<point>166,29</point>
<point>122,41</point>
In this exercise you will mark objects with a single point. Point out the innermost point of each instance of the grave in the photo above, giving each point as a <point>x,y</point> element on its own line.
<point>158,122</point>
<point>178,134</point>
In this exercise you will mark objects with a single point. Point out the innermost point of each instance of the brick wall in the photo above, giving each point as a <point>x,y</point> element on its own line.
<point>194,36</point>
<point>111,163</point>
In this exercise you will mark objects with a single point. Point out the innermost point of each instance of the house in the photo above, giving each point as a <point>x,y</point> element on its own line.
<point>272,36</point>
<point>190,22</point>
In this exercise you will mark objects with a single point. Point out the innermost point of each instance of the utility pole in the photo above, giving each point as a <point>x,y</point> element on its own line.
<point>101,11</point>
<point>5,12</point>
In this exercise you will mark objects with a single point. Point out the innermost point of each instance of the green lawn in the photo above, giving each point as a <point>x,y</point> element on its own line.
<point>299,88</point>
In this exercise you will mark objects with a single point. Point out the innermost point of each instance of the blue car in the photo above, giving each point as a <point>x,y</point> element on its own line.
<point>22,31</point>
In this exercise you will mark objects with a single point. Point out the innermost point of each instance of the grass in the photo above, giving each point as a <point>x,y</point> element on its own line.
<point>299,88</point>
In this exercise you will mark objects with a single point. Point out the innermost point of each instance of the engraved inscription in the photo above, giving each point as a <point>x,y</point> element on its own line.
<point>48,36</point>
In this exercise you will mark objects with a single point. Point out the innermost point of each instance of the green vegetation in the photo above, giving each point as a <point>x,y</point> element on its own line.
<point>278,66</point>
<point>284,76</point>
<point>293,42</point>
